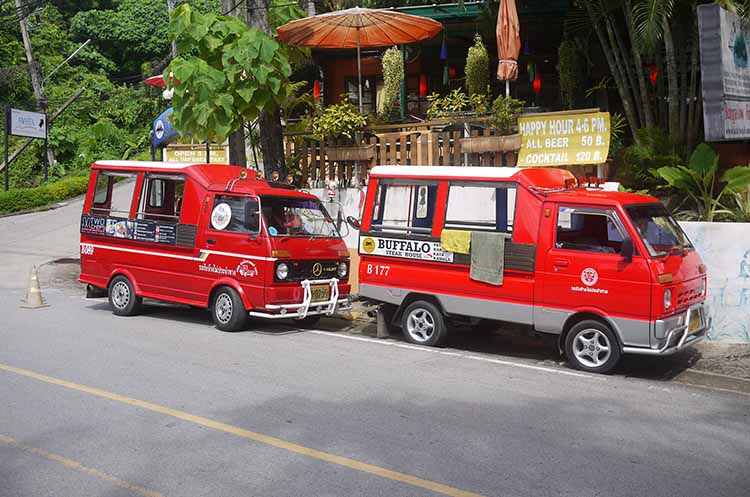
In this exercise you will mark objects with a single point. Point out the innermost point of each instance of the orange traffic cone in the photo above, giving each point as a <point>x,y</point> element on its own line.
<point>34,299</point>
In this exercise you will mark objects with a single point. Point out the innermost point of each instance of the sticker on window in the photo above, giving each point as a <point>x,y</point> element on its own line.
<point>564,218</point>
<point>221,216</point>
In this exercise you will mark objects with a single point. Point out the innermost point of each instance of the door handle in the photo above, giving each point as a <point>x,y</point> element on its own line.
<point>562,263</point>
<point>211,241</point>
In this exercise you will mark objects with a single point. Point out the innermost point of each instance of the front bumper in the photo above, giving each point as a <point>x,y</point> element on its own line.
<point>307,307</point>
<point>676,333</point>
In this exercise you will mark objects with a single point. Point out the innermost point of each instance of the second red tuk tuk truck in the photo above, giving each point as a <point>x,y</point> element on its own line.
<point>610,273</point>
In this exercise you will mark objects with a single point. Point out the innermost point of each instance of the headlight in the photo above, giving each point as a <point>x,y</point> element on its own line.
<point>667,298</point>
<point>342,270</point>
<point>282,271</point>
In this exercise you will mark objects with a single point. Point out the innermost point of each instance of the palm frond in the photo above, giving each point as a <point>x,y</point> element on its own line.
<point>648,22</point>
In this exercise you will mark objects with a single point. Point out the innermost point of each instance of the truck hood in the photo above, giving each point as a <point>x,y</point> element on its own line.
<point>310,248</point>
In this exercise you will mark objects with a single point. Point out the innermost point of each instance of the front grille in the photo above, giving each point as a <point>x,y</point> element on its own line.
<point>308,270</point>
<point>686,296</point>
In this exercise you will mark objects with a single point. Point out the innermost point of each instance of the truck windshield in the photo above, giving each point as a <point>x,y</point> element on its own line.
<point>289,216</point>
<point>660,232</point>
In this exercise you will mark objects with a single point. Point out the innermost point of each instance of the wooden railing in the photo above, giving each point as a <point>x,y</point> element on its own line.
<point>435,143</point>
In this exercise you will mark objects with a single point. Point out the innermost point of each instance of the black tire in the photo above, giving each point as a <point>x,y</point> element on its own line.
<point>592,346</point>
<point>308,322</point>
<point>227,309</point>
<point>122,297</point>
<point>423,323</point>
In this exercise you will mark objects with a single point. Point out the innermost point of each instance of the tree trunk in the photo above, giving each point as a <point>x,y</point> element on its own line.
<point>34,70</point>
<point>237,154</point>
<point>269,121</point>
<point>673,86</point>
<point>614,68</point>
<point>645,102</point>
<point>625,60</point>
<point>692,96</point>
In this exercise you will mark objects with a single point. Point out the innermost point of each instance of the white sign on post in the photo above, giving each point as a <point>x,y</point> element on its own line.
<point>29,124</point>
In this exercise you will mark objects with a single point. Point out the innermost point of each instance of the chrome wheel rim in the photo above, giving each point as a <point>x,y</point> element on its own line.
<point>420,325</point>
<point>591,347</point>
<point>223,308</point>
<point>120,295</point>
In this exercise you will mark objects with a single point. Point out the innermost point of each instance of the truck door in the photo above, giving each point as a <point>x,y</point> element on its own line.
<point>232,246</point>
<point>584,270</point>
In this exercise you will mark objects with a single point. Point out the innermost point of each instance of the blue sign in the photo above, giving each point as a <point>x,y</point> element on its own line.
<point>164,132</point>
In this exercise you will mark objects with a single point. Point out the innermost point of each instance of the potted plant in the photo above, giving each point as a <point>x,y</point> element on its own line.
<point>505,112</point>
<point>339,125</point>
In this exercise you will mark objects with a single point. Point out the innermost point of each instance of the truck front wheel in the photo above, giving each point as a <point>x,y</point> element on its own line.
<point>592,346</point>
<point>423,323</point>
<point>227,310</point>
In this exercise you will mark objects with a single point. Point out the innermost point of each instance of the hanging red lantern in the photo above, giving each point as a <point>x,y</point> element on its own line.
<point>422,85</point>
<point>452,71</point>
<point>537,84</point>
<point>653,74</point>
<point>316,90</point>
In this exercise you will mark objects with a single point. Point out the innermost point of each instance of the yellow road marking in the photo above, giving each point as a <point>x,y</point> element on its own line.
<point>75,465</point>
<point>251,435</point>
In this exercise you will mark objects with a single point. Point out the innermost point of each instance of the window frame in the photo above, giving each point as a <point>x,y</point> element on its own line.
<point>97,210</point>
<point>144,201</point>
<point>261,224</point>
<point>607,212</point>
<point>418,231</point>
<point>455,225</point>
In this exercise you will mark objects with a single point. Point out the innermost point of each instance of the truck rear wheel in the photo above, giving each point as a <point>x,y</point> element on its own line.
<point>592,346</point>
<point>423,323</point>
<point>122,297</point>
<point>227,310</point>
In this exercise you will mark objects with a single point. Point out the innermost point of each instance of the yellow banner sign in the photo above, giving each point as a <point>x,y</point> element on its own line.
<point>559,139</point>
<point>195,154</point>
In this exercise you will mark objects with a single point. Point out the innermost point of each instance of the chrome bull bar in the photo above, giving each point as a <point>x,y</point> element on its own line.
<point>307,307</point>
<point>686,337</point>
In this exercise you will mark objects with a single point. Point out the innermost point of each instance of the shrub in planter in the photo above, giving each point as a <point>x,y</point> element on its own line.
<point>699,182</point>
<point>477,68</point>
<point>505,112</point>
<point>341,120</point>
<point>393,74</point>
<point>638,163</point>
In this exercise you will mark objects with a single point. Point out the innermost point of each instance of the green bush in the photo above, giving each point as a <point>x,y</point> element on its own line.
<point>33,198</point>
<point>393,73</point>
<point>477,68</point>
<point>639,162</point>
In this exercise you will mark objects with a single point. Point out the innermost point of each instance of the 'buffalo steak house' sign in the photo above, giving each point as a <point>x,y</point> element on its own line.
<point>422,250</point>
<point>563,139</point>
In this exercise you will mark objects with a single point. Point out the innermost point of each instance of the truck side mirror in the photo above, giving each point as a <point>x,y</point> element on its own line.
<point>353,222</point>
<point>627,250</point>
<point>252,216</point>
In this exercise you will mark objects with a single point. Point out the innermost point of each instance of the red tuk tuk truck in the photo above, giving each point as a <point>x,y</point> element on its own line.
<point>611,273</point>
<point>210,236</point>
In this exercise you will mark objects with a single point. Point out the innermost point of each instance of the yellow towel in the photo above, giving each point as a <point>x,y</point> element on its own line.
<point>456,241</point>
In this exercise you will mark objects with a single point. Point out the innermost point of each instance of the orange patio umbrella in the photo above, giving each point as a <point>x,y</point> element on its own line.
<point>508,42</point>
<point>358,28</point>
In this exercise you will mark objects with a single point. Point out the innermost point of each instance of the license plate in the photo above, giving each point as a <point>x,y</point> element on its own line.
<point>320,293</point>
<point>695,322</point>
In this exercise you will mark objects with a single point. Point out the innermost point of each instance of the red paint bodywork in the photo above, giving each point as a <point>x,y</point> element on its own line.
<point>170,272</point>
<point>634,292</point>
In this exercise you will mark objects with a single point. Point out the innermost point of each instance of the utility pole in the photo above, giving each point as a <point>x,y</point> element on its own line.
<point>310,7</point>
<point>271,132</point>
<point>34,72</point>
<point>237,153</point>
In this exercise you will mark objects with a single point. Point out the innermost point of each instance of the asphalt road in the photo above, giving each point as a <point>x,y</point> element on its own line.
<point>162,404</point>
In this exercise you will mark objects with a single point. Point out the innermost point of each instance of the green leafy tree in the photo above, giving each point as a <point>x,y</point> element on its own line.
<point>230,73</point>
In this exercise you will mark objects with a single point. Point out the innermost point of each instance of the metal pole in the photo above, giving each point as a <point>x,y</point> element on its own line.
<point>507,88</point>
<point>359,73</point>
<point>5,136</point>
<point>46,143</point>
<point>208,151</point>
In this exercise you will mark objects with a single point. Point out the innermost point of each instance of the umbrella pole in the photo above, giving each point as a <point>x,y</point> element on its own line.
<point>359,73</point>
<point>507,88</point>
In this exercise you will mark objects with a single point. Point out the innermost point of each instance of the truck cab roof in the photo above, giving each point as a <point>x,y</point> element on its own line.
<point>212,177</point>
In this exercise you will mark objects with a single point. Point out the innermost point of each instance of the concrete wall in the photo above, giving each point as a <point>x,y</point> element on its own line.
<point>725,250</point>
